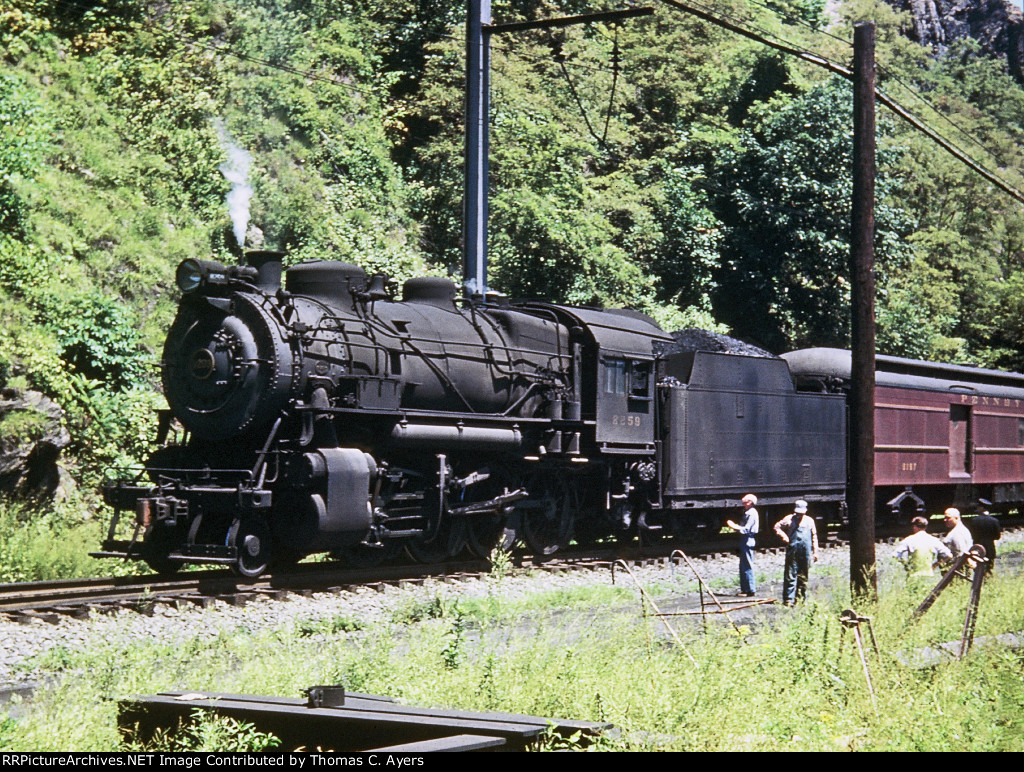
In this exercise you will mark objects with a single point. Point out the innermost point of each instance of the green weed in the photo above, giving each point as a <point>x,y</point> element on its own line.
<point>795,684</point>
<point>39,542</point>
<point>207,732</point>
<point>501,563</point>
<point>418,610</point>
<point>332,625</point>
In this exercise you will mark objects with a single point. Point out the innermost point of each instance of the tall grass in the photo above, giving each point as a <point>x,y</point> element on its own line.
<point>797,684</point>
<point>49,541</point>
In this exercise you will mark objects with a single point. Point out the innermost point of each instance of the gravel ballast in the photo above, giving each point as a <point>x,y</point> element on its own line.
<point>21,642</point>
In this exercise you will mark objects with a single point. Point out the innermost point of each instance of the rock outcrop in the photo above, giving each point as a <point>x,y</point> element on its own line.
<point>31,439</point>
<point>997,25</point>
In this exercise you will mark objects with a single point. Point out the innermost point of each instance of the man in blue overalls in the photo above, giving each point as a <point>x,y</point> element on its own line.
<point>801,537</point>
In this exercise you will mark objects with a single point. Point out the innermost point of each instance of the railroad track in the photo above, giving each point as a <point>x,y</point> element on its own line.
<point>76,597</point>
<point>49,601</point>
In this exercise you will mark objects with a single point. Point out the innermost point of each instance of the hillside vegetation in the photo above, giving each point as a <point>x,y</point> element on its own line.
<point>666,165</point>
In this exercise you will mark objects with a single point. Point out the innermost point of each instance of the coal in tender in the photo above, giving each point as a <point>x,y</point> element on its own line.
<point>693,339</point>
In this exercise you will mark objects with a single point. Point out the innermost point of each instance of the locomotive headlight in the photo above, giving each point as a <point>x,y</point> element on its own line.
<point>193,274</point>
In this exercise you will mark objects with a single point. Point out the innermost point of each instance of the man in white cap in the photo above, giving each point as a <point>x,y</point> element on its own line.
<point>959,538</point>
<point>748,527</point>
<point>801,537</point>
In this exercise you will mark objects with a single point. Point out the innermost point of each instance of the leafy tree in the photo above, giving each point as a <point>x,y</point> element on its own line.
<point>999,321</point>
<point>688,258</point>
<point>98,339</point>
<point>784,278</point>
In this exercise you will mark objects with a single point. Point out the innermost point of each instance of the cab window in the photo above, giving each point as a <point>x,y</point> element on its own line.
<point>615,376</point>
<point>631,378</point>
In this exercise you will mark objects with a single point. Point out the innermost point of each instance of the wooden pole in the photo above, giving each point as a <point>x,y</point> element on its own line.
<point>863,575</point>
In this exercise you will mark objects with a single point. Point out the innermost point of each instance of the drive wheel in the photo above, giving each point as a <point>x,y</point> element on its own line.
<point>486,533</point>
<point>496,530</point>
<point>547,518</point>
<point>251,538</point>
<point>449,542</point>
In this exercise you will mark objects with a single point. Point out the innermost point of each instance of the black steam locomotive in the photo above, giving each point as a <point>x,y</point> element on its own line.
<point>325,415</point>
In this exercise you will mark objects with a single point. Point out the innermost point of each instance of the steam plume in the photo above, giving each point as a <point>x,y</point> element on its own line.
<point>236,171</point>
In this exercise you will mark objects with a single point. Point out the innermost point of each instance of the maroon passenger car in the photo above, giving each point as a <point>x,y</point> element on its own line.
<point>945,435</point>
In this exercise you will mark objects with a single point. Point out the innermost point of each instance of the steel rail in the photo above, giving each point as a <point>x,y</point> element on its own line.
<point>71,596</point>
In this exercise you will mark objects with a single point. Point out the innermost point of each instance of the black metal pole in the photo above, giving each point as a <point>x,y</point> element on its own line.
<point>863,576</point>
<point>478,83</point>
<point>478,43</point>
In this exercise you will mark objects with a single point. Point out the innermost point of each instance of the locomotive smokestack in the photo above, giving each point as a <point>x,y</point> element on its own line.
<point>268,264</point>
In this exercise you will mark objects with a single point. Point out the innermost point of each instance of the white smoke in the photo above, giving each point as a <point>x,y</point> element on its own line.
<point>472,287</point>
<point>236,171</point>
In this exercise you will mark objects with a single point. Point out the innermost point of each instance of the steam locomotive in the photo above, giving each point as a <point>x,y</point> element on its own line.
<point>322,414</point>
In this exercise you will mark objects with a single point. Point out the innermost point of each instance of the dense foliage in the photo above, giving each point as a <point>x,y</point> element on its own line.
<point>664,164</point>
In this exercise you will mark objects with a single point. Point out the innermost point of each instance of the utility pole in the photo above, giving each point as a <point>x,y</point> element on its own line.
<point>478,83</point>
<point>475,209</point>
<point>863,575</point>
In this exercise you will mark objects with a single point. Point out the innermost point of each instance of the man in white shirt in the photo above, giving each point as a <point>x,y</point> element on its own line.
<point>959,538</point>
<point>921,552</point>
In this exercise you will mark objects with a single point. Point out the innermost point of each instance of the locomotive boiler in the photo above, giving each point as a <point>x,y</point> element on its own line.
<point>315,411</point>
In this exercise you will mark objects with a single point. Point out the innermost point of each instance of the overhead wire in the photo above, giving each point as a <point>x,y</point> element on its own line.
<point>892,76</point>
<point>713,16</point>
<point>889,74</point>
<point>560,58</point>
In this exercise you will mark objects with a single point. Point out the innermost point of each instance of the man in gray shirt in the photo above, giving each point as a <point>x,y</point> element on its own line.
<point>748,527</point>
